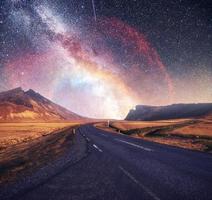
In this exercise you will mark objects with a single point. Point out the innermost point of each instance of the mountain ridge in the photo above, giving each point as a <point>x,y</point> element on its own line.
<point>173,111</point>
<point>19,105</point>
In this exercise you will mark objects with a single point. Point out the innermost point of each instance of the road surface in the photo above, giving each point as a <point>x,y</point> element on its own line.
<point>124,168</point>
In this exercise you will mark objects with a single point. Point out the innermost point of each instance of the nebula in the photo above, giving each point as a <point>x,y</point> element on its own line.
<point>98,69</point>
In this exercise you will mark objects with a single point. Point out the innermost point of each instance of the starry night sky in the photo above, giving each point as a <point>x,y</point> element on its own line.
<point>135,52</point>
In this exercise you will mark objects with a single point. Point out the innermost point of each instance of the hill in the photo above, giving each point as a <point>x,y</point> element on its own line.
<point>175,111</point>
<point>18,105</point>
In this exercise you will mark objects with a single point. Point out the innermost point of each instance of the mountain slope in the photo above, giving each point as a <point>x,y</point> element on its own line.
<point>175,111</point>
<point>18,105</point>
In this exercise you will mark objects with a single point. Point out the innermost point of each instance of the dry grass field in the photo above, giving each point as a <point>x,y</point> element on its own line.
<point>201,128</point>
<point>28,146</point>
<point>128,125</point>
<point>14,133</point>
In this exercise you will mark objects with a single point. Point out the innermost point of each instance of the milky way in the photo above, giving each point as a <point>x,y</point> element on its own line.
<point>98,67</point>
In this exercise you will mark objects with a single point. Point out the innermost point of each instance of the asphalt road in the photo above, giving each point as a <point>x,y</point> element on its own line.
<point>120,167</point>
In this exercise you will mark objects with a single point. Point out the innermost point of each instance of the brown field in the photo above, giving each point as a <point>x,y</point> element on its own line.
<point>185,133</point>
<point>28,146</point>
<point>202,128</point>
<point>128,125</point>
<point>14,133</point>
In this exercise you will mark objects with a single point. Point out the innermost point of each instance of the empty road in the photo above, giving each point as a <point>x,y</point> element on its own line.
<point>120,167</point>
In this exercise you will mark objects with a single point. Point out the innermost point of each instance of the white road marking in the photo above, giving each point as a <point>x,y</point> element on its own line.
<point>103,134</point>
<point>147,190</point>
<point>87,139</point>
<point>97,148</point>
<point>135,145</point>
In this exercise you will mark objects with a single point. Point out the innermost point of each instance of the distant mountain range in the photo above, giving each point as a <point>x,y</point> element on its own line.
<point>175,111</point>
<point>18,105</point>
<point>29,106</point>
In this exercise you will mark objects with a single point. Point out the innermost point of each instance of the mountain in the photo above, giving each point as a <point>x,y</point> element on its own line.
<point>175,111</point>
<point>18,105</point>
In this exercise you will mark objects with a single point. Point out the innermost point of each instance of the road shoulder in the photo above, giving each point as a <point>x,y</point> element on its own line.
<point>77,152</point>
